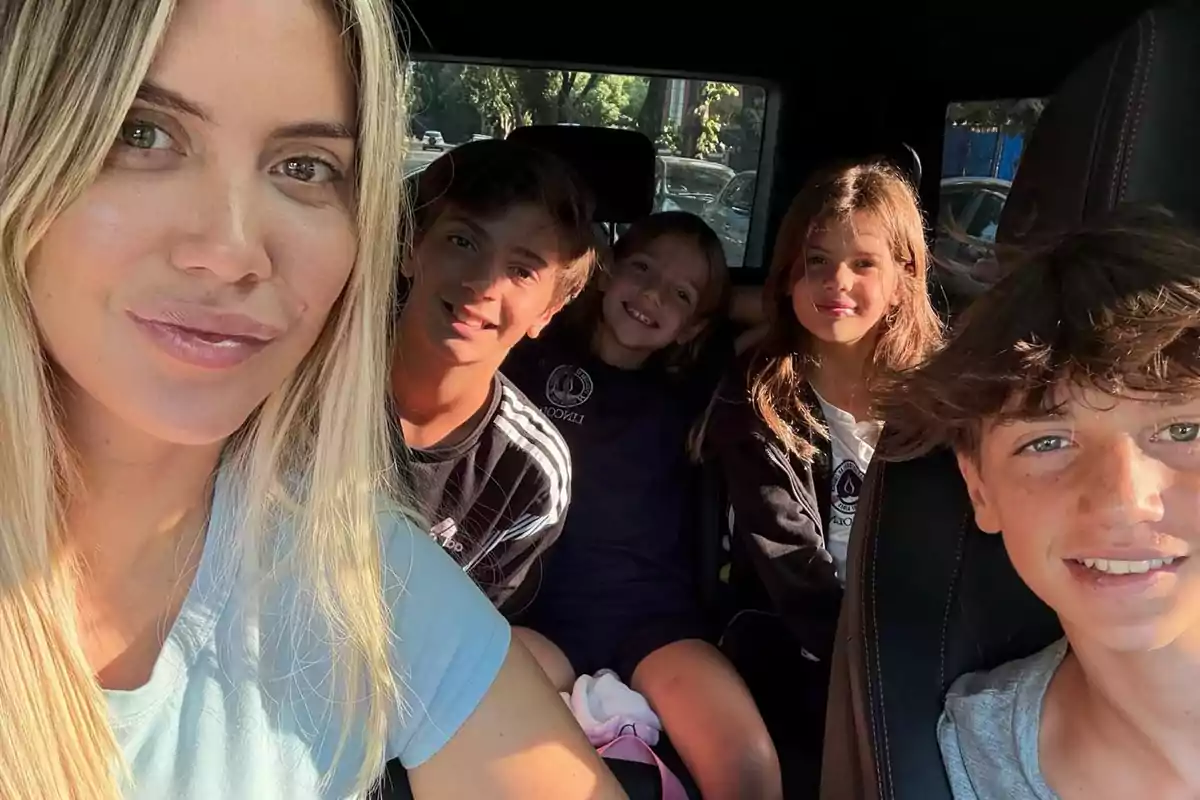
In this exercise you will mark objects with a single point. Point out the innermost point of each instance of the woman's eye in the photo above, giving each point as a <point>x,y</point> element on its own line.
<point>864,263</point>
<point>1183,432</point>
<point>522,273</point>
<point>460,241</point>
<point>1044,444</point>
<point>141,135</point>
<point>309,170</point>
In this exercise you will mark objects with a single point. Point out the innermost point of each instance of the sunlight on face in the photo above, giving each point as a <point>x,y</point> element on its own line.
<point>481,285</point>
<point>1100,512</point>
<point>847,279</point>
<point>195,274</point>
<point>653,296</point>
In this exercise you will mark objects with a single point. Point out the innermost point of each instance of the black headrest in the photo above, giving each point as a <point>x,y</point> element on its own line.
<point>617,165</point>
<point>1122,128</point>
<point>932,597</point>
<point>870,145</point>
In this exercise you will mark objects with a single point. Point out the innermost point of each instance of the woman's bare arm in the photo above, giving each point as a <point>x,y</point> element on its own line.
<point>520,743</point>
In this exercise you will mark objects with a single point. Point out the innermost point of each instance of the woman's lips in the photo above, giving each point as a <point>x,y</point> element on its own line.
<point>204,338</point>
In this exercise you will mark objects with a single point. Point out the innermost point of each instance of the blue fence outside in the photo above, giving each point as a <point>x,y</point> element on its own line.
<point>968,152</point>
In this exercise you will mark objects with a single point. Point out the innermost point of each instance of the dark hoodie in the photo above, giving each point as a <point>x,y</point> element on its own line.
<point>780,511</point>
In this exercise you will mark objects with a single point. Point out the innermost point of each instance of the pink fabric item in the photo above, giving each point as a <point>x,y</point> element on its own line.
<point>631,748</point>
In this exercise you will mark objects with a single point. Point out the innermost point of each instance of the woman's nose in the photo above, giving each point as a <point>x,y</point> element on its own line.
<point>225,236</point>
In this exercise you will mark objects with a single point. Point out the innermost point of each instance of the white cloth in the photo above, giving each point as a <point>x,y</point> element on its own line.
<point>853,446</point>
<point>606,708</point>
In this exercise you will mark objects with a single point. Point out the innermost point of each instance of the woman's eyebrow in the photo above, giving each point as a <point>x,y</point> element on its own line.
<point>314,130</point>
<point>156,95</point>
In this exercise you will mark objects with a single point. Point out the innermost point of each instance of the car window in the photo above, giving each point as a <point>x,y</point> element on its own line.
<point>741,199</point>
<point>699,178</point>
<point>954,206</point>
<point>982,148</point>
<point>987,216</point>
<point>731,188</point>
<point>707,130</point>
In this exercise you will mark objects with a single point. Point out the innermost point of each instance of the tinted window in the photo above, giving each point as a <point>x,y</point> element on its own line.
<point>699,178</point>
<point>742,197</point>
<point>955,203</point>
<point>982,149</point>
<point>714,127</point>
<point>987,216</point>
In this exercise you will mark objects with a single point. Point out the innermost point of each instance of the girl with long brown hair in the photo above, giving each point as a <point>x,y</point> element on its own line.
<point>845,297</point>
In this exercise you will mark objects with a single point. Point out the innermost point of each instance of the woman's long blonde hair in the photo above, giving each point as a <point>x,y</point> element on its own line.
<point>69,71</point>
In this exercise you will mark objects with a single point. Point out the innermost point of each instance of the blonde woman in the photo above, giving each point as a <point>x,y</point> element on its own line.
<point>199,597</point>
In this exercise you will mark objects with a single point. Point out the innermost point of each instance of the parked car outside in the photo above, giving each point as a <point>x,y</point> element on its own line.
<point>687,184</point>
<point>965,242</point>
<point>729,215</point>
<point>433,141</point>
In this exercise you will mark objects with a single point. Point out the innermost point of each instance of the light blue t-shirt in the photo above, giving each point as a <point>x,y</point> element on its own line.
<point>988,732</point>
<point>240,703</point>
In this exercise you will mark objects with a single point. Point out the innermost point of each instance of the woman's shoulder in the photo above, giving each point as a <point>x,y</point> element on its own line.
<point>448,641</point>
<point>426,589</point>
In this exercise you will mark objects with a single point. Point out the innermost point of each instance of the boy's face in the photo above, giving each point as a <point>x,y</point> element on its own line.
<point>481,285</point>
<point>1100,513</point>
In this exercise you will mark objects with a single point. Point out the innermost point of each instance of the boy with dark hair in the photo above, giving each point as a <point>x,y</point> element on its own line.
<point>503,239</point>
<point>1071,395</point>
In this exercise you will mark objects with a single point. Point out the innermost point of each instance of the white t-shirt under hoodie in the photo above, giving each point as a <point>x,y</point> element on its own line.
<point>852,447</point>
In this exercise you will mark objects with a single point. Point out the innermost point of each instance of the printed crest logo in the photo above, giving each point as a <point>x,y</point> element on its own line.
<point>569,386</point>
<point>847,483</point>
<point>444,532</point>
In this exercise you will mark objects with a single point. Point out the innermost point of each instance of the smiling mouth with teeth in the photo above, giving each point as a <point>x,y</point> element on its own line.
<point>469,320</point>
<point>639,316</point>
<point>1112,566</point>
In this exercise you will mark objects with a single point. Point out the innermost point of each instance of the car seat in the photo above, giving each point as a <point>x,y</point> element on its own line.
<point>617,165</point>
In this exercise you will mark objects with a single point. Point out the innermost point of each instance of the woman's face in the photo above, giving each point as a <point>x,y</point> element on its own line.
<point>190,280</point>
